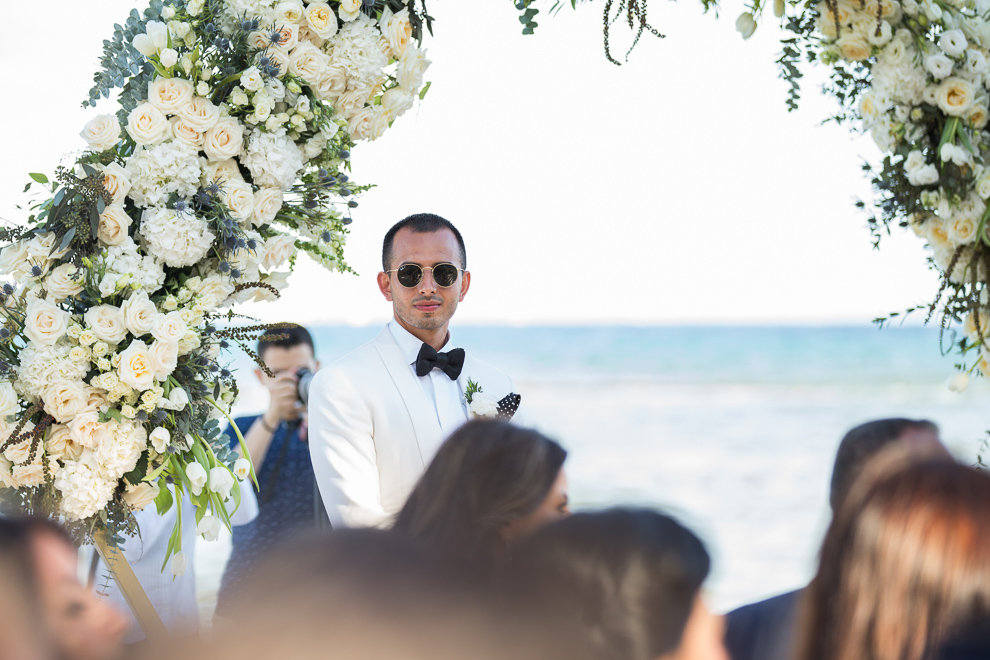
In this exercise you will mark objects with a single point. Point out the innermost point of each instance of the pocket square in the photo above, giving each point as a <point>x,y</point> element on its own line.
<point>508,406</point>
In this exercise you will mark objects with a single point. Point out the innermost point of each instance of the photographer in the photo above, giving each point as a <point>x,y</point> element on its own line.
<point>277,442</point>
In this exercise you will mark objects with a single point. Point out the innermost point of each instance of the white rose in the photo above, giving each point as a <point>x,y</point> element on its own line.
<point>102,132</point>
<point>349,10</point>
<point>252,79</point>
<point>139,313</point>
<point>412,66</point>
<point>397,101</point>
<point>64,281</point>
<point>483,404</point>
<point>45,323</point>
<point>154,39</point>
<point>86,429</point>
<point>60,445</point>
<point>183,131</point>
<point>114,223</point>
<point>29,475</point>
<point>160,439</point>
<point>115,182</point>
<point>136,367</point>
<point>208,527</point>
<point>9,401</point>
<point>955,96</point>
<point>199,114</point>
<point>224,140</point>
<point>242,468</point>
<point>169,327</point>
<point>953,43</point>
<point>978,115</point>
<point>307,62</point>
<point>289,11</point>
<point>18,453</point>
<point>321,20</point>
<point>925,175</point>
<point>168,58</point>
<point>397,30</point>
<point>332,83</point>
<point>107,323</point>
<point>239,198</point>
<point>221,171</point>
<point>278,249</point>
<point>197,477</point>
<point>96,399</point>
<point>179,563</point>
<point>147,125</point>
<point>267,204</point>
<point>853,46</point>
<point>939,66</point>
<point>141,495</point>
<point>170,95</point>
<point>164,355</point>
<point>221,481</point>
<point>360,123</point>
<point>64,399</point>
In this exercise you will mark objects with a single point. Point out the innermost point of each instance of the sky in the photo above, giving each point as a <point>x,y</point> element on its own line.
<point>675,189</point>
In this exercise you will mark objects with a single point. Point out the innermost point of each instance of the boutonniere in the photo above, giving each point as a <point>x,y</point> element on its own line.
<point>482,404</point>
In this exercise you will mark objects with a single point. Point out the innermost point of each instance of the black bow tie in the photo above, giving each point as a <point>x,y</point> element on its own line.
<point>450,362</point>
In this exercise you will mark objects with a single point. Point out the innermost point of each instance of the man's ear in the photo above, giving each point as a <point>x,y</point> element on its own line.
<point>385,286</point>
<point>465,285</point>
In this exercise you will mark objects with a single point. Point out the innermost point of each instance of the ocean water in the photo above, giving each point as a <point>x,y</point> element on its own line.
<point>732,429</point>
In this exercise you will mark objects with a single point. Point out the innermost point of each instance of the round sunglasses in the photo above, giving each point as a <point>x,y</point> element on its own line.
<point>410,275</point>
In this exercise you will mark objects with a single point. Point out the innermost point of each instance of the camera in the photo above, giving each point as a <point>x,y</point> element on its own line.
<point>302,385</point>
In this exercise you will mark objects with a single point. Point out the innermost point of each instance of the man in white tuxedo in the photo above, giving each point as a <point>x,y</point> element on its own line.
<point>379,414</point>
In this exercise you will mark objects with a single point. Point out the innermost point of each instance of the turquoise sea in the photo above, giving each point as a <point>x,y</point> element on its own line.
<point>731,428</point>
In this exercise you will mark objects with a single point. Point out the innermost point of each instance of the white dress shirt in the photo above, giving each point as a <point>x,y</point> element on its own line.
<point>442,391</point>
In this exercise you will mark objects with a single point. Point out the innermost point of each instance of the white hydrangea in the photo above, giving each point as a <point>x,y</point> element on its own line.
<point>125,260</point>
<point>357,50</point>
<point>178,239</point>
<point>158,171</point>
<point>42,365</point>
<point>84,486</point>
<point>121,448</point>
<point>273,159</point>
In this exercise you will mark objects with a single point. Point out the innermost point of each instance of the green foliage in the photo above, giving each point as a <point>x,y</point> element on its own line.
<point>122,66</point>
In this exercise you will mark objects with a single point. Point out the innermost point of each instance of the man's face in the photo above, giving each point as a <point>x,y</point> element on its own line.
<point>425,306</point>
<point>286,360</point>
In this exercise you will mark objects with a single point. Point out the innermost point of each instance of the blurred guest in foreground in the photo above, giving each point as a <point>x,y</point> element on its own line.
<point>366,594</point>
<point>75,623</point>
<point>765,630</point>
<point>490,485</point>
<point>627,582</point>
<point>903,565</point>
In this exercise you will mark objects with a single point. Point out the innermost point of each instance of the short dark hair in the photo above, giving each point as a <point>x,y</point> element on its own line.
<point>421,223</point>
<point>628,577</point>
<point>863,443</point>
<point>294,336</point>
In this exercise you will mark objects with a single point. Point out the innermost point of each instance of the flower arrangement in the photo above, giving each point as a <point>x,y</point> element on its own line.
<point>227,158</point>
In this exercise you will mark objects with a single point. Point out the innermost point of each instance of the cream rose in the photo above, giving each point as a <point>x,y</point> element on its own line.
<point>9,401</point>
<point>107,323</point>
<point>331,84</point>
<point>101,132</point>
<point>19,453</point>
<point>239,198</point>
<point>278,249</point>
<point>139,313</point>
<point>86,429</point>
<point>397,31</point>
<point>140,495</point>
<point>308,63</point>
<point>977,116</point>
<point>183,131</point>
<point>64,281</point>
<point>114,223</point>
<point>169,327</point>
<point>853,46</point>
<point>115,182</point>
<point>199,114</point>
<point>397,101</point>
<point>359,125</point>
<point>321,20</point>
<point>64,399</point>
<point>349,10</point>
<point>147,125</point>
<point>224,140</point>
<point>136,366</point>
<point>170,95</point>
<point>29,475</point>
<point>164,355</point>
<point>412,66</point>
<point>45,323</point>
<point>220,172</point>
<point>267,204</point>
<point>351,102</point>
<point>60,445</point>
<point>96,399</point>
<point>955,96</point>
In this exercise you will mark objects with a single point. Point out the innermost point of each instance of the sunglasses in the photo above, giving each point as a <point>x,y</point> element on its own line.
<point>409,275</point>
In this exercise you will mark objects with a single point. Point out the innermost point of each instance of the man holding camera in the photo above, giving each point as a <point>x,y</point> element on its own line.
<point>277,441</point>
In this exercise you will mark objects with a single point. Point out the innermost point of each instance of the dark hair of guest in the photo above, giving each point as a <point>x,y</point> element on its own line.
<point>626,578</point>
<point>486,474</point>
<point>17,537</point>
<point>420,223</point>
<point>903,564</point>
<point>861,444</point>
<point>293,336</point>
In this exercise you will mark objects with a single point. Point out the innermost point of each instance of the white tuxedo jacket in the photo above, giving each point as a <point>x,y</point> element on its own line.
<point>373,430</point>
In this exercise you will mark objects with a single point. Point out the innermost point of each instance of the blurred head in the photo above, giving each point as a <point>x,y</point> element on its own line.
<point>294,351</point>
<point>490,485</point>
<point>628,581</point>
<point>867,440</point>
<point>426,240</point>
<point>904,562</point>
<point>80,626</point>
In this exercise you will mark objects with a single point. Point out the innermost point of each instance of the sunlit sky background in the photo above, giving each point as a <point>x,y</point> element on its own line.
<point>673,189</point>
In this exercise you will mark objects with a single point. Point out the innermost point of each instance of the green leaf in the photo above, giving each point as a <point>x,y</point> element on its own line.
<point>40,178</point>
<point>164,500</point>
<point>66,240</point>
<point>422,92</point>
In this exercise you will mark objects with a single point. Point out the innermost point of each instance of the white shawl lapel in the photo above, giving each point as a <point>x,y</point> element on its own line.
<point>422,415</point>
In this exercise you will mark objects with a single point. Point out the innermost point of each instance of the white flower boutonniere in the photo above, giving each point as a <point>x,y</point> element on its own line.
<point>483,404</point>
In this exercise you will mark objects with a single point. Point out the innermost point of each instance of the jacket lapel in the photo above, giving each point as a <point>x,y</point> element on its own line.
<point>421,413</point>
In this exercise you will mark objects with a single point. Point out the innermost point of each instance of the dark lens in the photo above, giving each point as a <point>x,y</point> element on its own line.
<point>409,275</point>
<point>445,274</point>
